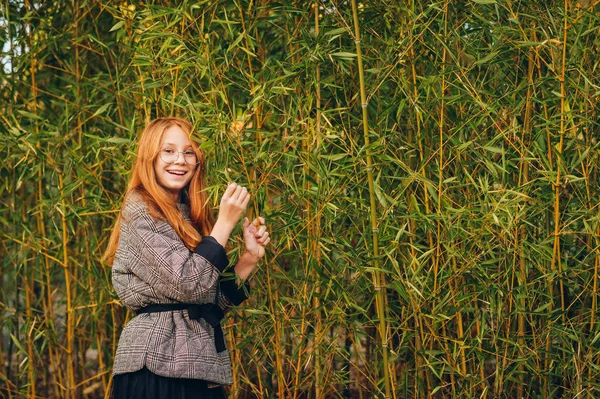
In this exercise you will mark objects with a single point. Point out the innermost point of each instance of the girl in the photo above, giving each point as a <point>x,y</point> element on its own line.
<point>167,255</point>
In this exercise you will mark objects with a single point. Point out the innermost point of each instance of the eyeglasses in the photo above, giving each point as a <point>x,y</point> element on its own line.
<point>169,155</point>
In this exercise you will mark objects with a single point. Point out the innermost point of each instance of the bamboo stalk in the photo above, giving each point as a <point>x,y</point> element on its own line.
<point>479,331</point>
<point>234,354</point>
<point>4,370</point>
<point>100,338</point>
<point>412,223</point>
<point>31,389</point>
<point>75,274</point>
<point>563,93</point>
<point>31,369</point>
<point>70,337</point>
<point>539,67</point>
<point>378,277</point>
<point>593,311</point>
<point>11,344</point>
<point>310,296</point>
<point>315,228</point>
<point>252,178</point>
<point>307,272</point>
<point>441,125</point>
<point>440,194</point>
<point>522,231</point>
<point>556,262</point>
<point>48,302</point>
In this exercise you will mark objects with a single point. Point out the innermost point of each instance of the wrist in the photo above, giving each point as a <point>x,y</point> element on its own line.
<point>248,258</point>
<point>221,231</point>
<point>246,264</point>
<point>223,224</point>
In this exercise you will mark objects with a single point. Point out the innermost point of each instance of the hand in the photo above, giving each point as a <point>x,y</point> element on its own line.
<point>233,205</point>
<point>256,237</point>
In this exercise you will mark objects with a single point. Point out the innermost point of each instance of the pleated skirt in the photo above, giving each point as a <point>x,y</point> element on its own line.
<point>144,384</point>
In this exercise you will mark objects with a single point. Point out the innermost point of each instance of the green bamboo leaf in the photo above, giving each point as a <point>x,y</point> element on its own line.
<point>333,157</point>
<point>117,26</point>
<point>344,54</point>
<point>29,114</point>
<point>17,343</point>
<point>101,110</point>
<point>528,43</point>
<point>335,32</point>
<point>495,150</point>
<point>487,58</point>
<point>581,158</point>
<point>236,41</point>
<point>257,311</point>
<point>119,140</point>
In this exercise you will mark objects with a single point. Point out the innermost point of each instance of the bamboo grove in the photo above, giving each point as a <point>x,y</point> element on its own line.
<point>429,170</point>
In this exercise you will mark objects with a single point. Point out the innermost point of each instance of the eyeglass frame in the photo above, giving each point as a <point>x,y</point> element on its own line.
<point>160,154</point>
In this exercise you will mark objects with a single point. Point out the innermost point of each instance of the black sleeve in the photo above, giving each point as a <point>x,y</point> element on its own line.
<point>213,252</point>
<point>230,289</point>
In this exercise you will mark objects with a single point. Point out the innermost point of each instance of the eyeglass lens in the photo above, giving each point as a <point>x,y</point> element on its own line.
<point>170,156</point>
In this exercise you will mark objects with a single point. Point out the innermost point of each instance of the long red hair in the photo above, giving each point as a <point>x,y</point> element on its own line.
<point>160,204</point>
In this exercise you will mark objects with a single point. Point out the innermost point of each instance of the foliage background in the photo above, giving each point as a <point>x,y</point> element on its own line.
<point>483,134</point>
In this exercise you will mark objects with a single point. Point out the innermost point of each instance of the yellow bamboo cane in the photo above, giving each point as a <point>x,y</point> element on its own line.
<point>70,338</point>
<point>305,285</point>
<point>378,276</point>
<point>31,390</point>
<point>412,222</point>
<point>314,231</point>
<point>251,178</point>
<point>556,263</point>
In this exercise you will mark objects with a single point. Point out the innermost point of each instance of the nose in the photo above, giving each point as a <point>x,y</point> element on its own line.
<point>180,159</point>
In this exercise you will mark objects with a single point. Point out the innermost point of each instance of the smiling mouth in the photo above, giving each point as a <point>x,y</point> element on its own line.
<point>176,172</point>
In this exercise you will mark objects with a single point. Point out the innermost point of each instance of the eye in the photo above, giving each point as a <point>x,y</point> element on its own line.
<point>168,151</point>
<point>189,152</point>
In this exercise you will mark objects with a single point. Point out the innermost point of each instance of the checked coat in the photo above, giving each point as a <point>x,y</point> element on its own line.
<point>153,266</point>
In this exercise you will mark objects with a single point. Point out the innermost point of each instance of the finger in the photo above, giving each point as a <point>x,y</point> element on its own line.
<point>243,194</point>
<point>266,242</point>
<point>262,239</point>
<point>230,190</point>
<point>246,223</point>
<point>237,192</point>
<point>252,229</point>
<point>246,200</point>
<point>261,220</point>
<point>261,231</point>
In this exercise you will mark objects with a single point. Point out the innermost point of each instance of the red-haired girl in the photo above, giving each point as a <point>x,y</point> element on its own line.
<point>167,255</point>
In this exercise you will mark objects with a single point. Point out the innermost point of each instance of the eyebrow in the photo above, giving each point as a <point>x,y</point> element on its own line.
<point>175,145</point>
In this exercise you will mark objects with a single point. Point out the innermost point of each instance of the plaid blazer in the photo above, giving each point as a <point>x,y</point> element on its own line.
<point>153,266</point>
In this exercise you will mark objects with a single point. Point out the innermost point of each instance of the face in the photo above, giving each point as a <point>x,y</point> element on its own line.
<point>177,172</point>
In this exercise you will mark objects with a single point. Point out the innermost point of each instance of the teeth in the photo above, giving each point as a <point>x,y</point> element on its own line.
<point>176,173</point>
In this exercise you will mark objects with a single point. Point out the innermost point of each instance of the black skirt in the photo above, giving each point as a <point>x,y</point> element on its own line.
<point>144,384</point>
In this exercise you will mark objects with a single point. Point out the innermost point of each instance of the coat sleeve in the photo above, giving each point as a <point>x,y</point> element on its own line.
<point>229,293</point>
<point>165,263</point>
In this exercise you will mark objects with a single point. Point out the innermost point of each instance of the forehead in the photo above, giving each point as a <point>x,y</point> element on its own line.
<point>176,136</point>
